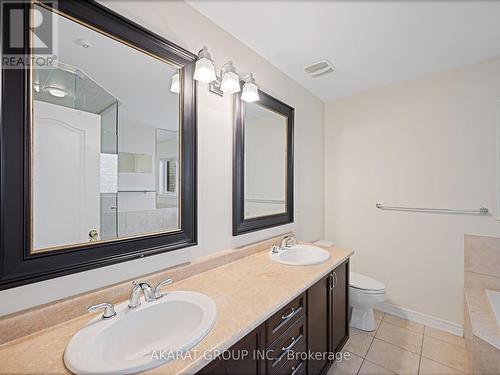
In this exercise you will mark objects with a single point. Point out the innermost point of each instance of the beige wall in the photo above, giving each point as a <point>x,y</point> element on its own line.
<point>181,24</point>
<point>429,142</point>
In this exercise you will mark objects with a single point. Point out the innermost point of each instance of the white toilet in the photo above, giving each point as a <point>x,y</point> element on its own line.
<point>364,293</point>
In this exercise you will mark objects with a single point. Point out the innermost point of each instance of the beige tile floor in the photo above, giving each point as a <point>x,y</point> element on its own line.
<point>399,346</point>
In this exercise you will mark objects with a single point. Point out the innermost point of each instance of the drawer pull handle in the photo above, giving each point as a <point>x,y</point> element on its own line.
<point>294,341</point>
<point>296,369</point>
<point>286,349</point>
<point>292,311</point>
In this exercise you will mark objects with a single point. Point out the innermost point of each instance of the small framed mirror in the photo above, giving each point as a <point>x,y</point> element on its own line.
<point>262,164</point>
<point>98,143</point>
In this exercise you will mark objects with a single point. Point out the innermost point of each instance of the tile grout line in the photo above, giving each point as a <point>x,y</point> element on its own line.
<point>393,344</point>
<point>449,343</point>
<point>390,343</point>
<point>359,369</point>
<point>395,325</point>
<point>423,332</point>
<point>373,339</point>
<point>421,351</point>
<point>371,343</point>
<point>411,321</point>
<point>443,364</point>
<point>397,346</point>
<point>385,368</point>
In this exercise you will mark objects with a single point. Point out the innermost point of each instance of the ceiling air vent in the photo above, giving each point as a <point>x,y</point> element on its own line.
<point>320,68</point>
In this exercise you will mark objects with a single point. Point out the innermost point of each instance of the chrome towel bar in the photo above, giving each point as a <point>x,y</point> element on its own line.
<point>480,211</point>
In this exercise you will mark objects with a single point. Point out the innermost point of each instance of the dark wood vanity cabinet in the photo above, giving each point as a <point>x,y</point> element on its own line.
<point>301,338</point>
<point>319,324</point>
<point>235,362</point>
<point>339,306</point>
<point>328,317</point>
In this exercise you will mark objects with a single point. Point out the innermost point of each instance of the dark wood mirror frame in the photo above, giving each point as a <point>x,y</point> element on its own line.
<point>240,224</point>
<point>17,265</point>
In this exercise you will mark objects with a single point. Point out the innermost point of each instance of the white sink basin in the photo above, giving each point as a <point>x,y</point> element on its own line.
<point>133,340</point>
<point>301,255</point>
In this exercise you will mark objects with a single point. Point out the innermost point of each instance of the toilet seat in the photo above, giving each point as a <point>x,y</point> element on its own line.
<point>365,284</point>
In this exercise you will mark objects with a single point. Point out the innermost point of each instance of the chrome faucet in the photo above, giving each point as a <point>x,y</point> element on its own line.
<point>161,284</point>
<point>288,241</point>
<point>109,309</point>
<point>135,296</point>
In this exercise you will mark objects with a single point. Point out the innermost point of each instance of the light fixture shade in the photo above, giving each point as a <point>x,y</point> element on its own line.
<point>230,83</point>
<point>204,70</point>
<point>175,86</point>
<point>250,92</point>
<point>230,80</point>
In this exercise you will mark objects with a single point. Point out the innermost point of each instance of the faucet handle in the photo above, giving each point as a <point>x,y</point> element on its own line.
<point>161,284</point>
<point>109,309</point>
<point>285,242</point>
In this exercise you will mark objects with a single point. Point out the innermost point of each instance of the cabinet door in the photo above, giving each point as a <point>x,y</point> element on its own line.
<point>340,306</point>
<point>243,357</point>
<point>318,324</point>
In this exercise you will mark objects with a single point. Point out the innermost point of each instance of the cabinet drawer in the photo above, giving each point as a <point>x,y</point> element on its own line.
<point>285,318</point>
<point>293,341</point>
<point>292,367</point>
<point>298,368</point>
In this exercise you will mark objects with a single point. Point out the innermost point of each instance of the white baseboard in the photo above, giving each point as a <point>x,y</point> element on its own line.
<point>415,316</point>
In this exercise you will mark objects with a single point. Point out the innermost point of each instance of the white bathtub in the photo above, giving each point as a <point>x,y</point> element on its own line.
<point>494,298</point>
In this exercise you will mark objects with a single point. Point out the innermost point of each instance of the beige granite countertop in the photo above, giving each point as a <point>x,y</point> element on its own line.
<point>484,324</point>
<point>246,292</point>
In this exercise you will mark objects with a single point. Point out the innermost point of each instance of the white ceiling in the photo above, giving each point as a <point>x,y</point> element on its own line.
<point>371,43</point>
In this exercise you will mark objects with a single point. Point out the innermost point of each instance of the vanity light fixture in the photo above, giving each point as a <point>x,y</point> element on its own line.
<point>230,80</point>
<point>205,68</point>
<point>174,86</point>
<point>56,91</point>
<point>250,90</point>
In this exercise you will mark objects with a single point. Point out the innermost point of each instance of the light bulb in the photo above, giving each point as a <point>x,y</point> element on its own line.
<point>36,86</point>
<point>56,91</point>
<point>174,86</point>
<point>230,80</point>
<point>204,69</point>
<point>250,90</point>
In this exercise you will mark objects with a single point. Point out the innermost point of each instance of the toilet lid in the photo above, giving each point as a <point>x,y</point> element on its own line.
<point>361,281</point>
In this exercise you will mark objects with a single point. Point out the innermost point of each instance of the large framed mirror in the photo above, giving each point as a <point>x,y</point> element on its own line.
<point>262,164</point>
<point>98,142</point>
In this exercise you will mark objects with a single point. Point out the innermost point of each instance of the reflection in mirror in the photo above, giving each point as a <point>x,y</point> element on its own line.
<point>105,142</point>
<point>167,164</point>
<point>265,161</point>
<point>134,163</point>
